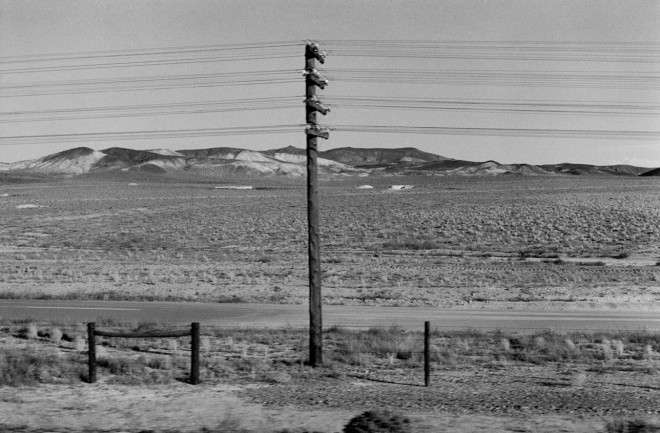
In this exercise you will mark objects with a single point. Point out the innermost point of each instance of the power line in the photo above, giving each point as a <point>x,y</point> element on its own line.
<point>479,105</point>
<point>499,105</point>
<point>271,129</point>
<point>148,57</point>
<point>139,83</point>
<point>628,52</point>
<point>148,135</point>
<point>509,132</point>
<point>582,79</point>
<point>146,51</point>
<point>151,109</point>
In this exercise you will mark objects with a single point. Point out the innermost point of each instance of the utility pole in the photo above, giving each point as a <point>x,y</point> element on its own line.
<point>313,131</point>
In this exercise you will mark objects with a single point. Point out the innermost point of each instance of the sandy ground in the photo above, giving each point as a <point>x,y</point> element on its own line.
<point>186,408</point>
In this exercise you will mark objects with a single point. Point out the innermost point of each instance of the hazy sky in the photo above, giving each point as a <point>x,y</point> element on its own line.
<point>105,30</point>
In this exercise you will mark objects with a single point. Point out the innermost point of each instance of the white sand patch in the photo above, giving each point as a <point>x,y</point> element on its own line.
<point>165,164</point>
<point>289,157</point>
<point>410,159</point>
<point>302,159</point>
<point>269,167</point>
<point>249,155</point>
<point>79,165</point>
<point>166,152</point>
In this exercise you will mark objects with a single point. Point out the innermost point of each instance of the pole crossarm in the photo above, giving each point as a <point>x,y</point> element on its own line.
<point>317,105</point>
<point>313,50</point>
<point>316,78</point>
<point>317,131</point>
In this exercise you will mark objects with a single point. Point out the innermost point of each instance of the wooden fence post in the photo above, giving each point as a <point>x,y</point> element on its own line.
<point>194,362</point>
<point>91,351</point>
<point>427,353</point>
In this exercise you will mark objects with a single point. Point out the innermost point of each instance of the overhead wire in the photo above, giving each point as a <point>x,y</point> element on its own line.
<point>509,132</point>
<point>579,51</point>
<point>445,104</point>
<point>139,83</point>
<point>149,57</point>
<point>479,50</point>
<point>584,79</point>
<point>146,51</point>
<point>151,109</point>
<point>498,105</point>
<point>564,79</point>
<point>271,129</point>
<point>149,134</point>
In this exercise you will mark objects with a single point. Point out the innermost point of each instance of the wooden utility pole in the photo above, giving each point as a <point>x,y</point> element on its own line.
<point>312,105</point>
<point>427,353</point>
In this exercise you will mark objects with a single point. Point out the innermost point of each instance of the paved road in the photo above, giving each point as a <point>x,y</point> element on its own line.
<point>276,315</point>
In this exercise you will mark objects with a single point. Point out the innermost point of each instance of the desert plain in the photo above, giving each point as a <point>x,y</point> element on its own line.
<point>519,243</point>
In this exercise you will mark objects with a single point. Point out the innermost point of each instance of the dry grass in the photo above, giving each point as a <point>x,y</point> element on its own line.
<point>631,426</point>
<point>30,364</point>
<point>278,356</point>
<point>105,241</point>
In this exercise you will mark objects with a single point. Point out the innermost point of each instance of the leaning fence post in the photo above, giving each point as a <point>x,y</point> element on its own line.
<point>427,353</point>
<point>91,343</point>
<point>194,362</point>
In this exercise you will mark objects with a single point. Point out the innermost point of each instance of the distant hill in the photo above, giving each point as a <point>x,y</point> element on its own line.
<point>289,150</point>
<point>585,169</point>
<point>359,156</point>
<point>214,152</point>
<point>73,161</point>
<point>229,162</point>
<point>654,172</point>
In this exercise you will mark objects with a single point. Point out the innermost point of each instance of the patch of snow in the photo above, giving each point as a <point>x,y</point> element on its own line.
<point>479,170</point>
<point>302,159</point>
<point>411,159</point>
<point>165,164</point>
<point>252,166</point>
<point>78,165</point>
<point>489,164</point>
<point>226,155</point>
<point>249,155</point>
<point>166,152</point>
<point>234,187</point>
<point>494,170</point>
<point>289,157</point>
<point>269,167</point>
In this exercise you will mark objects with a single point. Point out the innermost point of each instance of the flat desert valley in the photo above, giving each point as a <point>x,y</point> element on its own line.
<point>559,243</point>
<point>513,243</point>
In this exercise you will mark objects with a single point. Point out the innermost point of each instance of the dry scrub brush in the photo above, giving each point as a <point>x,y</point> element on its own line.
<point>53,354</point>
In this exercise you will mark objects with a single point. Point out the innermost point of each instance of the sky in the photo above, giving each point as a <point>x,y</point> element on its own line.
<point>87,72</point>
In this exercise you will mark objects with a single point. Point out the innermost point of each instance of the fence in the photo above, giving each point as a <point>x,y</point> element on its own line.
<point>407,347</point>
<point>397,355</point>
<point>92,332</point>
